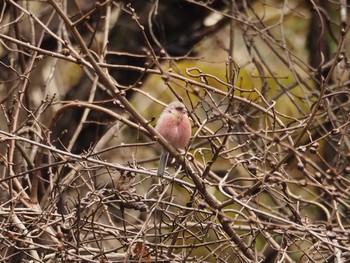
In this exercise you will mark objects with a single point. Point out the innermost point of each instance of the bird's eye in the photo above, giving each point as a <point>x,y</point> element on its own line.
<point>180,109</point>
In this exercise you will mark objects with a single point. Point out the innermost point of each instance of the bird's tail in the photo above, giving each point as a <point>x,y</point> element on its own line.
<point>162,162</point>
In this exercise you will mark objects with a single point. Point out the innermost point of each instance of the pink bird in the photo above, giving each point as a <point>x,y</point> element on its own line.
<point>174,125</point>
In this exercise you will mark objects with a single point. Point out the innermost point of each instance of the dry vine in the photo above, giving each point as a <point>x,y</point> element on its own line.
<point>265,177</point>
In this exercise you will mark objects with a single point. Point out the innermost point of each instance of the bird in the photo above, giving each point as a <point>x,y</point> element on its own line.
<point>175,127</point>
